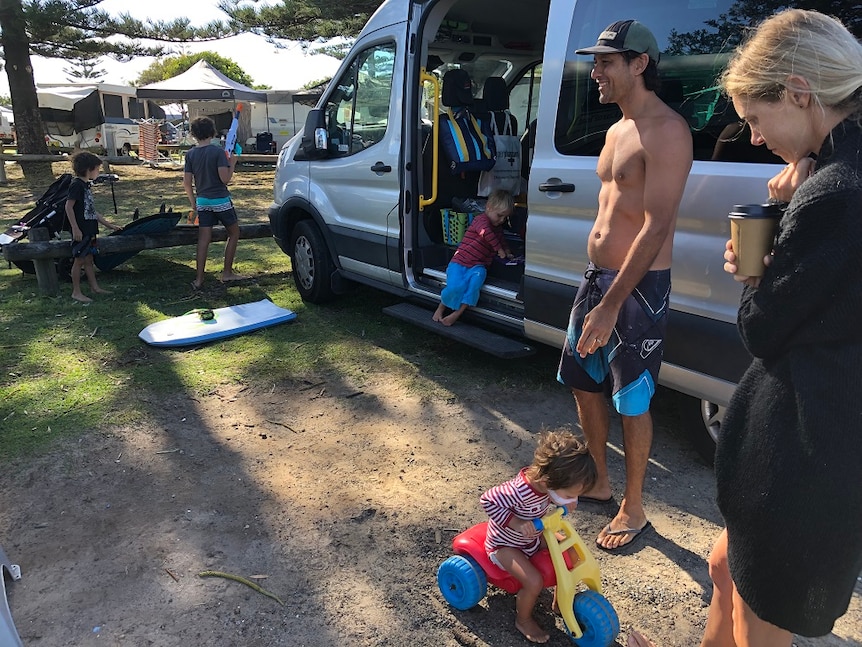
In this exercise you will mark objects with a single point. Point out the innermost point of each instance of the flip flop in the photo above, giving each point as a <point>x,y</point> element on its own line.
<point>634,532</point>
<point>594,500</point>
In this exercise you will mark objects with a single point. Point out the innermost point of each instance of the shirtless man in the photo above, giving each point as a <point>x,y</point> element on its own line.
<point>615,339</point>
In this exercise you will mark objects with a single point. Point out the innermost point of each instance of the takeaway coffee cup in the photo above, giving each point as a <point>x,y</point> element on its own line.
<point>752,232</point>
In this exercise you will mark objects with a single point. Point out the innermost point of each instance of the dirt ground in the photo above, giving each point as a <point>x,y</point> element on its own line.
<point>344,499</point>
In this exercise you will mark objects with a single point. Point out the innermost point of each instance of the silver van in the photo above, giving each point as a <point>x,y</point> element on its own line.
<point>359,196</point>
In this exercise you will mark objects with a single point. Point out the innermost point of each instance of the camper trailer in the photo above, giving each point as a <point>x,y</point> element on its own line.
<point>98,117</point>
<point>7,132</point>
<point>280,117</point>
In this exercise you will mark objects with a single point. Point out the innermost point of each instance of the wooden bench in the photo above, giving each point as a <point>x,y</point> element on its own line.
<point>43,251</point>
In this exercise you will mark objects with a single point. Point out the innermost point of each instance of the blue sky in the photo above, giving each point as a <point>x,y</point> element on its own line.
<point>281,68</point>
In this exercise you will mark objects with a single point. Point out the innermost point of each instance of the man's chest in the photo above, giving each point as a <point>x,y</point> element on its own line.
<point>622,159</point>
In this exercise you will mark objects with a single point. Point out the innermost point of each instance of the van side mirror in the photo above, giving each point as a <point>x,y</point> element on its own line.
<point>315,138</point>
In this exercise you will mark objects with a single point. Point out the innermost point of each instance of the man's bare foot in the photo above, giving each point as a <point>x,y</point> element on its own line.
<point>438,313</point>
<point>600,493</point>
<point>532,631</point>
<point>82,298</point>
<point>227,278</point>
<point>622,530</point>
<point>98,290</point>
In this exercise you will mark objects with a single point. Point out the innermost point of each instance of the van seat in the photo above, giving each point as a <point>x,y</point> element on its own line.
<point>495,104</point>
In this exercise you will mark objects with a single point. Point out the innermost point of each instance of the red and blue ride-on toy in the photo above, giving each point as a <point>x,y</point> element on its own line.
<point>566,563</point>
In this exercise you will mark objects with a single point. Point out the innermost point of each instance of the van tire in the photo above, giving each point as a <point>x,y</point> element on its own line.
<point>702,420</point>
<point>311,262</point>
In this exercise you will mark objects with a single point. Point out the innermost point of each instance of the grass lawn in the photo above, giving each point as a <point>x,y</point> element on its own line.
<point>69,368</point>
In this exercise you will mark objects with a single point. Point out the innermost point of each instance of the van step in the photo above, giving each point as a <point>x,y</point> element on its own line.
<point>484,340</point>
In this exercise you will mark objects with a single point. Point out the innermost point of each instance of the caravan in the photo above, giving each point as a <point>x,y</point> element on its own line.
<point>99,117</point>
<point>7,128</point>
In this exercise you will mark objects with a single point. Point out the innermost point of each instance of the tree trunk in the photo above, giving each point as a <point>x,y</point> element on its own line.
<point>22,88</point>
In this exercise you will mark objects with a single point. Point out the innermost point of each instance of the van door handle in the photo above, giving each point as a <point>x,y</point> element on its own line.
<point>564,187</point>
<point>380,167</point>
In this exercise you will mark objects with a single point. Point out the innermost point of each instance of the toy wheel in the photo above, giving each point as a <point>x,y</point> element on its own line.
<point>597,619</point>
<point>462,582</point>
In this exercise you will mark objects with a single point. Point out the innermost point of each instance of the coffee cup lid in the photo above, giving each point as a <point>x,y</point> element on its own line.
<point>768,210</point>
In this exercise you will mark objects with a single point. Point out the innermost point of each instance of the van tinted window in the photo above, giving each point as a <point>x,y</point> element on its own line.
<point>695,40</point>
<point>357,112</point>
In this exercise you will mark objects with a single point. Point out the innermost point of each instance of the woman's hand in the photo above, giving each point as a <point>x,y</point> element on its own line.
<point>77,235</point>
<point>784,185</point>
<point>731,268</point>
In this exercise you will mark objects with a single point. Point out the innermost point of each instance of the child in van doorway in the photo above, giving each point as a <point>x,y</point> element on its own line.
<point>468,268</point>
<point>561,470</point>
<point>84,221</point>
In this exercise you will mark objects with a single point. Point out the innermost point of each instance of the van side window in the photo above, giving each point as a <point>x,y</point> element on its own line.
<point>695,40</point>
<point>357,112</point>
<point>524,96</point>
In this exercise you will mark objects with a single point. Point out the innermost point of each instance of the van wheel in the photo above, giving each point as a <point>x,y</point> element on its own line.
<point>702,420</point>
<point>312,265</point>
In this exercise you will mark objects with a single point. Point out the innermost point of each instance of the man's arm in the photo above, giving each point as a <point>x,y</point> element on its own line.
<point>667,163</point>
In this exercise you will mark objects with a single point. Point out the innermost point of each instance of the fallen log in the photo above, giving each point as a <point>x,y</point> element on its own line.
<point>182,235</point>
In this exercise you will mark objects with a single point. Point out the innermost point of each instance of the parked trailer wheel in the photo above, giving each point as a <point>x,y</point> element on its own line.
<point>462,582</point>
<point>597,620</point>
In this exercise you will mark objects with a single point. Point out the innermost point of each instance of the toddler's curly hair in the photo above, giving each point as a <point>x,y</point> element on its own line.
<point>564,460</point>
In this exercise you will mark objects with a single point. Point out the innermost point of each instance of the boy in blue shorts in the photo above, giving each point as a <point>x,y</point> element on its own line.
<point>468,268</point>
<point>208,171</point>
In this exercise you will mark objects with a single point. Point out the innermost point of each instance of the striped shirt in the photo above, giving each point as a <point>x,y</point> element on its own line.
<point>480,244</point>
<point>515,498</point>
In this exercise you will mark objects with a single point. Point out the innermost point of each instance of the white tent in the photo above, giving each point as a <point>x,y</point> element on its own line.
<point>200,81</point>
<point>206,91</point>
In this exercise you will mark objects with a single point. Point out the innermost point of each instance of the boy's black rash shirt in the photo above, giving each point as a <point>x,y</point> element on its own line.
<point>789,458</point>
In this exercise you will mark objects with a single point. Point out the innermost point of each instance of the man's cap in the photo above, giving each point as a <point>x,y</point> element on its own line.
<point>625,36</point>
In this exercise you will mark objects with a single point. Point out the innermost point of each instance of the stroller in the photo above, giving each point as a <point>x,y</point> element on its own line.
<point>50,212</point>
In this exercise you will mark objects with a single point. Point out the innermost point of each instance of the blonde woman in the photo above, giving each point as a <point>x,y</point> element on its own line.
<point>789,459</point>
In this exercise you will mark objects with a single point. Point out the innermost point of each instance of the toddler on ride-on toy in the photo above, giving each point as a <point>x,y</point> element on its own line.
<point>522,550</point>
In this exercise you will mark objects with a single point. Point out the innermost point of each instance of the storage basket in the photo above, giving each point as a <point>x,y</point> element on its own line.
<point>455,223</point>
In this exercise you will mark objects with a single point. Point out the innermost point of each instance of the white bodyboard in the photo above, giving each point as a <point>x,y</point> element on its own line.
<point>191,328</point>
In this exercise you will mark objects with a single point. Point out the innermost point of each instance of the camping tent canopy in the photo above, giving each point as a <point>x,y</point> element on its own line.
<point>200,81</point>
<point>65,110</point>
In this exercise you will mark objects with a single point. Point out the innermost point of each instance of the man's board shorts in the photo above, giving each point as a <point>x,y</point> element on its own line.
<point>627,366</point>
<point>213,210</point>
<point>462,285</point>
